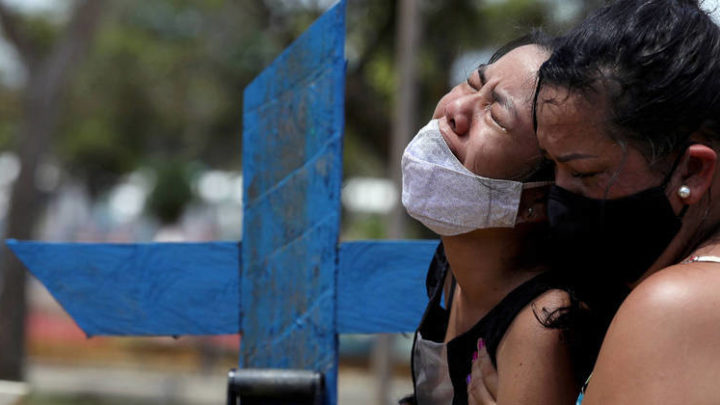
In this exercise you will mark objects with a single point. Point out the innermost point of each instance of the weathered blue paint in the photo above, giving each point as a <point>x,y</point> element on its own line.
<point>292,171</point>
<point>140,289</point>
<point>381,285</point>
<point>192,288</point>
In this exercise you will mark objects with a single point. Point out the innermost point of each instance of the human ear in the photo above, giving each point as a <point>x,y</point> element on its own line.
<point>697,174</point>
<point>533,205</point>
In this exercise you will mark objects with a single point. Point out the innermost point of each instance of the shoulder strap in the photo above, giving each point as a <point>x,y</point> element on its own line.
<point>433,324</point>
<point>435,278</point>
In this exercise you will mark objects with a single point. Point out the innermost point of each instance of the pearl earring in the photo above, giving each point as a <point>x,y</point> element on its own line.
<point>684,191</point>
<point>531,212</point>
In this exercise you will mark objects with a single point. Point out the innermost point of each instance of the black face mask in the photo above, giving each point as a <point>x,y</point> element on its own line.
<point>610,241</point>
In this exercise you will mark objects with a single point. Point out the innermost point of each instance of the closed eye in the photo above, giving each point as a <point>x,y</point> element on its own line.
<point>488,108</point>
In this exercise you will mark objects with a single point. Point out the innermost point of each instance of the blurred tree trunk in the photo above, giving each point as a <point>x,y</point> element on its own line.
<point>403,126</point>
<point>405,108</point>
<point>47,76</point>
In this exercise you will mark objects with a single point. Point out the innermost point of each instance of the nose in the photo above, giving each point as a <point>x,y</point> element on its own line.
<point>459,113</point>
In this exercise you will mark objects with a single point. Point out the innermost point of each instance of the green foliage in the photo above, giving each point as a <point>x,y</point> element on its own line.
<point>359,158</point>
<point>8,129</point>
<point>369,226</point>
<point>10,113</point>
<point>514,18</point>
<point>41,32</point>
<point>6,135</point>
<point>380,75</point>
<point>172,192</point>
<point>165,78</point>
<point>103,153</point>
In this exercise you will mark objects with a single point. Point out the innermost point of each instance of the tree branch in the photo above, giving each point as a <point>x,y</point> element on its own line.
<point>10,24</point>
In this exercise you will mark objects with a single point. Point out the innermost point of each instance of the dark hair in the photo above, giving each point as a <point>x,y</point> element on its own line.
<point>535,37</point>
<point>657,61</point>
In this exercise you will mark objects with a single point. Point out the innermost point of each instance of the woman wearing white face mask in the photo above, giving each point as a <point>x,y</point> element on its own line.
<point>475,176</point>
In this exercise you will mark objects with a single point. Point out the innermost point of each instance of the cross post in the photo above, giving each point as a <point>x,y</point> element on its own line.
<point>290,287</point>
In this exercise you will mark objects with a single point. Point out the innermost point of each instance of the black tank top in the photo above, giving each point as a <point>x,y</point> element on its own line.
<point>491,327</point>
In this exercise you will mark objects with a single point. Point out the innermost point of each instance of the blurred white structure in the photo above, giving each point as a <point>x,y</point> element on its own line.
<point>9,171</point>
<point>12,392</point>
<point>369,195</point>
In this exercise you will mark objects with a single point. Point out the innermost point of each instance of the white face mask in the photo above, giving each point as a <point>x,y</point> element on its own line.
<point>447,197</point>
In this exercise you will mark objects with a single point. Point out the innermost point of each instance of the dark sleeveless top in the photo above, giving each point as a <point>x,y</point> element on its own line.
<point>491,327</point>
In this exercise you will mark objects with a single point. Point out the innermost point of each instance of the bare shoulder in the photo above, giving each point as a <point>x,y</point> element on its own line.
<point>662,344</point>
<point>682,294</point>
<point>531,334</point>
<point>535,319</point>
<point>534,364</point>
<point>671,306</point>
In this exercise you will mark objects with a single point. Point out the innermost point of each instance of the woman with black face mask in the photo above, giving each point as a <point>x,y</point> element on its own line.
<point>628,108</point>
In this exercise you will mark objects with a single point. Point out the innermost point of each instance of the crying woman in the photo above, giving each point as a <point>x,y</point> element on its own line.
<point>475,176</point>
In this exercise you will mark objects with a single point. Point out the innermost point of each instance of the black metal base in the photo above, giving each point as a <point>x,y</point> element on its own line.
<point>275,387</point>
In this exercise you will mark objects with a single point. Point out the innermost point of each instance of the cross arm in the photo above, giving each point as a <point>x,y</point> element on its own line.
<point>381,285</point>
<point>145,289</point>
<point>163,289</point>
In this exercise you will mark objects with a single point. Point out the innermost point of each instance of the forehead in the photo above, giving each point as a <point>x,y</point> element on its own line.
<point>564,116</point>
<point>517,69</point>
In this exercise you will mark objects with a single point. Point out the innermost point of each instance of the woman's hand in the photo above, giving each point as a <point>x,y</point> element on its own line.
<point>483,380</point>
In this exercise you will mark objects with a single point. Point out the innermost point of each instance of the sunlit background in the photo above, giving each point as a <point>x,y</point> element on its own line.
<point>135,135</point>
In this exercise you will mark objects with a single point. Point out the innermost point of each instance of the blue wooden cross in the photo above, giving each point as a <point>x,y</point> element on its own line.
<point>290,287</point>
